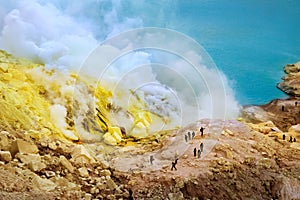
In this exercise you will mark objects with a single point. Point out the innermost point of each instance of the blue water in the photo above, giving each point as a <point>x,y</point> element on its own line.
<point>249,40</point>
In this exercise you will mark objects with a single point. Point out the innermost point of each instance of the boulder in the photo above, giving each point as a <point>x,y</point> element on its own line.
<point>24,147</point>
<point>36,166</point>
<point>81,155</point>
<point>111,184</point>
<point>105,172</point>
<point>64,162</point>
<point>5,156</point>
<point>43,184</point>
<point>4,142</point>
<point>27,158</point>
<point>83,172</point>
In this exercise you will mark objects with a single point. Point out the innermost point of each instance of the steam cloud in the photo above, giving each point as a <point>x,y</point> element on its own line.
<point>62,34</point>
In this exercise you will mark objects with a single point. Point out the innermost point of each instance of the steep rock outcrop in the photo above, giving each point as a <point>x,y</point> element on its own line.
<point>291,82</point>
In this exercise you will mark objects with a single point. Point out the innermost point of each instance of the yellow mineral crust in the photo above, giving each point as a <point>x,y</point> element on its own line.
<point>23,106</point>
<point>47,102</point>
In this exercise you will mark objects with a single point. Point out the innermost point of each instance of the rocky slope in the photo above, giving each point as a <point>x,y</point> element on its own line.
<point>238,162</point>
<point>41,158</point>
<point>291,82</point>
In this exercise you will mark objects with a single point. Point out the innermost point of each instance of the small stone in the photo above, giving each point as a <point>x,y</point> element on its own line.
<point>44,144</point>
<point>5,156</point>
<point>105,172</point>
<point>52,145</point>
<point>4,142</point>
<point>93,190</point>
<point>101,186</point>
<point>63,182</point>
<point>64,162</point>
<point>50,174</point>
<point>81,155</point>
<point>83,172</point>
<point>111,184</point>
<point>179,184</point>
<point>88,196</point>
<point>176,196</point>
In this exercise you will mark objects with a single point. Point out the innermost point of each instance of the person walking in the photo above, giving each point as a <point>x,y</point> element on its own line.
<point>202,131</point>
<point>174,165</point>
<point>201,146</point>
<point>193,134</point>
<point>199,153</point>
<point>151,159</point>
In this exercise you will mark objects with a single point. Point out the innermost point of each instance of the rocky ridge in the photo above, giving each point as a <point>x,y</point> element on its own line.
<point>291,82</point>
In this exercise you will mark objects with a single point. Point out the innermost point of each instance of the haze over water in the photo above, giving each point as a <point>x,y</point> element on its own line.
<point>250,41</point>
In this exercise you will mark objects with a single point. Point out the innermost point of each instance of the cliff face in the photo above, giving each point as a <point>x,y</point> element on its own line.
<point>291,82</point>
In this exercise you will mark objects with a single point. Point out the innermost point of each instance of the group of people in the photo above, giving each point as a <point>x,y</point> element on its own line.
<point>190,136</point>
<point>199,151</point>
<point>291,138</point>
<point>283,109</point>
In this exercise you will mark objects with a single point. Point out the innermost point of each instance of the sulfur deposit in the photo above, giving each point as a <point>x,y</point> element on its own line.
<point>40,101</point>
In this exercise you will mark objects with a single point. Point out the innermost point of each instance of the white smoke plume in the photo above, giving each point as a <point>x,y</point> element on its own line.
<point>62,34</point>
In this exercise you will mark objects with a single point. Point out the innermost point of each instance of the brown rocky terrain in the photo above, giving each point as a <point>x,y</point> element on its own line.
<point>238,162</point>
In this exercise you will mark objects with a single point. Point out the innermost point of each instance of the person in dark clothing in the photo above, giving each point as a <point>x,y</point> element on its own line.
<point>296,103</point>
<point>193,135</point>
<point>186,138</point>
<point>291,139</point>
<point>151,160</point>
<point>201,130</point>
<point>189,134</point>
<point>195,152</point>
<point>174,164</point>
<point>294,139</point>
<point>283,137</point>
<point>130,195</point>
<point>199,153</point>
<point>201,147</point>
<point>282,108</point>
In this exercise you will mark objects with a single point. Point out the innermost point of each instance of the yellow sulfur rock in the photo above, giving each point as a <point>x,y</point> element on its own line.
<point>113,136</point>
<point>4,67</point>
<point>7,76</point>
